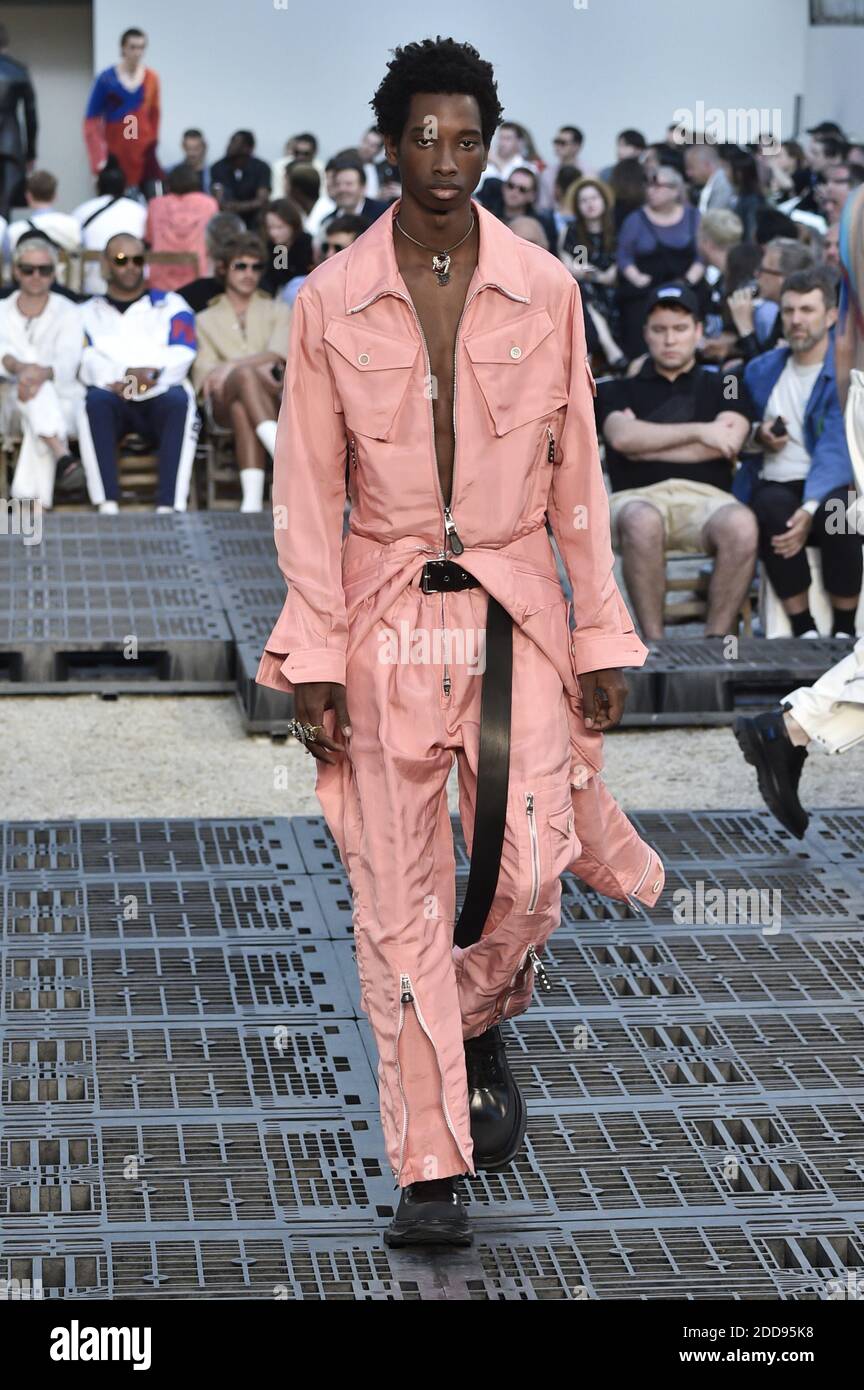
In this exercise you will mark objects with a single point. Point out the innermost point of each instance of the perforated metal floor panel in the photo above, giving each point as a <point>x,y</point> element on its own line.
<point>189,1098</point>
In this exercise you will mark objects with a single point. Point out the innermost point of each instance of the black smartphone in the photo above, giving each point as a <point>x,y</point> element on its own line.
<point>779,427</point>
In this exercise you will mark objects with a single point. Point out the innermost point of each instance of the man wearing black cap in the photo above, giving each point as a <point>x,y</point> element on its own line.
<point>672,433</point>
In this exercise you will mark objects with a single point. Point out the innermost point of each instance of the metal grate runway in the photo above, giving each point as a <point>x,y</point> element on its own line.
<point>188,1085</point>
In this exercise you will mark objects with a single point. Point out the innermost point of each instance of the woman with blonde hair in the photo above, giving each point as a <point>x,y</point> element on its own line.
<point>587,248</point>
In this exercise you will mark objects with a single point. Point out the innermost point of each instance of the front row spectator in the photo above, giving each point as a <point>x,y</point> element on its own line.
<point>139,347</point>
<point>40,349</point>
<point>671,439</point>
<point>221,229</point>
<point>802,489</point>
<point>243,343</point>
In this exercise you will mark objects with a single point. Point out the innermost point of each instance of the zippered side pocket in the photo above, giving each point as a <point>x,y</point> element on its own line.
<point>535,851</point>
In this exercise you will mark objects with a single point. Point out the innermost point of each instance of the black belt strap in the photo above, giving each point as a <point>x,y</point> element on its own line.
<point>493,775</point>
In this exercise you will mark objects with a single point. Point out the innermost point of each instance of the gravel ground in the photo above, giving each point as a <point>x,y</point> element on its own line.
<point>81,756</point>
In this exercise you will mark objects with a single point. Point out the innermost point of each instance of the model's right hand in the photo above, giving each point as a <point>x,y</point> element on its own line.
<point>311,699</point>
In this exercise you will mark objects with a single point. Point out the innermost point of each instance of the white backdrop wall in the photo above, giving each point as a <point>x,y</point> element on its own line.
<point>277,66</point>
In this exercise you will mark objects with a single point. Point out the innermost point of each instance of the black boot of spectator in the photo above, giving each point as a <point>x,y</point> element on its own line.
<point>778,762</point>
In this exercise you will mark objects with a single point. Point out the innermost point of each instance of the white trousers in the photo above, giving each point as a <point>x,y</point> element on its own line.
<point>48,413</point>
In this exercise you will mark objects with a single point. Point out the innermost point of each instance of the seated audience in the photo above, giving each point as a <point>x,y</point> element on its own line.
<point>242,346</point>
<point>756,316</point>
<point>139,346</point>
<point>289,252</point>
<point>671,439</point>
<point>303,187</point>
<point>40,350</point>
<point>349,193</point>
<point>177,221</point>
<point>629,185</point>
<point>656,246</point>
<point>240,182</point>
<point>221,229</point>
<point>749,200</point>
<point>104,216</point>
<point>59,228</point>
<point>704,170</point>
<point>195,158</point>
<point>588,247</point>
<point>629,144</point>
<point>799,489</point>
<point>517,198</point>
<point>719,232</point>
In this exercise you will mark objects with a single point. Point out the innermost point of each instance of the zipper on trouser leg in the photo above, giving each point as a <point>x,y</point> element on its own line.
<point>550,450</point>
<point>535,851</point>
<point>405,998</point>
<point>408,998</point>
<point>531,955</point>
<point>446,680</point>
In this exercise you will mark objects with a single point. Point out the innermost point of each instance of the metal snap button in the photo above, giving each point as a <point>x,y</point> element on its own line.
<point>515,352</point>
<point>363,359</point>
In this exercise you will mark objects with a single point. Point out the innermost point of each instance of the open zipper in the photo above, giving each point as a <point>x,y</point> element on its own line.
<point>550,440</point>
<point>535,851</point>
<point>407,996</point>
<point>529,955</point>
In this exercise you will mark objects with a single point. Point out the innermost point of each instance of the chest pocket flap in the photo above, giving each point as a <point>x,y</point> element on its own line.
<point>371,370</point>
<point>519,369</point>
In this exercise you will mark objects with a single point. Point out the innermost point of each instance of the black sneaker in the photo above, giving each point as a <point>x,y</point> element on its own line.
<point>429,1213</point>
<point>69,476</point>
<point>766,745</point>
<point>496,1105</point>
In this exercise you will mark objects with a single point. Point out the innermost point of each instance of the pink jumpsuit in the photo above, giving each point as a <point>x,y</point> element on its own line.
<point>357,379</point>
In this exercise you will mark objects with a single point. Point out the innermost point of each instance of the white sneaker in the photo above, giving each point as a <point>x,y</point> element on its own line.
<point>108,508</point>
<point>811,633</point>
<point>163,509</point>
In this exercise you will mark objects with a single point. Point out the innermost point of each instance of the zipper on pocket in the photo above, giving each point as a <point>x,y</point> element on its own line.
<point>535,851</point>
<point>352,452</point>
<point>550,453</point>
<point>408,997</point>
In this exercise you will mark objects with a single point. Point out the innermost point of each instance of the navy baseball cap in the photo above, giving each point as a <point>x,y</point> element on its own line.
<point>674,296</point>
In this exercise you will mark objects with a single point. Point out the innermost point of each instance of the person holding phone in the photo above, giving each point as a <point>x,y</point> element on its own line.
<point>806,471</point>
<point>243,342</point>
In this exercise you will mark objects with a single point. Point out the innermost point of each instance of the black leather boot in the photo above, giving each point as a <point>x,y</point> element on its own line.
<point>429,1213</point>
<point>496,1106</point>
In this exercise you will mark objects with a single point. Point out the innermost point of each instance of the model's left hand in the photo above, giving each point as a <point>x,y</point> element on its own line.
<point>604,694</point>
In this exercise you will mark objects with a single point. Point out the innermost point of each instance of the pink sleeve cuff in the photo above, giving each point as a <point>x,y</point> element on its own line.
<point>285,670</point>
<point>607,653</point>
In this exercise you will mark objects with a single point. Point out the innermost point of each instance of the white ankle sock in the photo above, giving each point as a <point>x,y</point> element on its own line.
<point>108,507</point>
<point>266,432</point>
<point>252,485</point>
<point>164,509</point>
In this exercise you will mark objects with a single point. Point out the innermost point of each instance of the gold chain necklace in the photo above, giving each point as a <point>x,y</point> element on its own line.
<point>440,259</point>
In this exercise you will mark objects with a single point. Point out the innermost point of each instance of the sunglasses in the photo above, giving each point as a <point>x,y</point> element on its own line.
<point>122,259</point>
<point>521,187</point>
<point>660,183</point>
<point>248,265</point>
<point>47,270</point>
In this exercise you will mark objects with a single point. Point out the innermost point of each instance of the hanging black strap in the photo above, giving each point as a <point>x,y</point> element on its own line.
<point>493,775</point>
<point>99,211</point>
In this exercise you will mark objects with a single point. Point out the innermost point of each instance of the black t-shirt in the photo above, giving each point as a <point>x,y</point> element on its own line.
<point>242,182</point>
<point>697,395</point>
<point>199,293</point>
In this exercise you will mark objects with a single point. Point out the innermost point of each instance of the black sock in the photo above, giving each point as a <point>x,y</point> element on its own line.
<point>844,621</point>
<point>801,622</point>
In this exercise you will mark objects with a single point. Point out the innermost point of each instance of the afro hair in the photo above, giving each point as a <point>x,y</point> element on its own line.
<point>435,65</point>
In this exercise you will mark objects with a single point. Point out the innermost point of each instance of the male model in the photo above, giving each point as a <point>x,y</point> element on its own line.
<point>440,362</point>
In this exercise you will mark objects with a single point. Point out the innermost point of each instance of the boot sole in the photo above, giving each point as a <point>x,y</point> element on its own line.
<point>429,1233</point>
<point>750,747</point>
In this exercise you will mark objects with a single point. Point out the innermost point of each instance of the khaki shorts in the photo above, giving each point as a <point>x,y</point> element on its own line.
<point>685,507</point>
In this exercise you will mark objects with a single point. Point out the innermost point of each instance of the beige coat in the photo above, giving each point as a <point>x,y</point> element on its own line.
<point>222,339</point>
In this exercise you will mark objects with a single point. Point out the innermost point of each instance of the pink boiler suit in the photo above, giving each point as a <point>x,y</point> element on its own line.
<point>358,383</point>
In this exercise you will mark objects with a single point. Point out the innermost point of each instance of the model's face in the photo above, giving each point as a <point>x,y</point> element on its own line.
<point>123,263</point>
<point>806,319</point>
<point>34,273</point>
<point>441,154</point>
<point>589,204</point>
<point>278,231</point>
<point>133,51</point>
<point>672,337</point>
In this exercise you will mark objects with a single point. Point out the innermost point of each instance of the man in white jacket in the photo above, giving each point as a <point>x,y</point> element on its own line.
<point>139,346</point>
<point>40,350</point>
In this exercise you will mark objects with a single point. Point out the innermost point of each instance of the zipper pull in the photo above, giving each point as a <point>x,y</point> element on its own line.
<point>452,534</point>
<point>407,996</point>
<point>550,454</point>
<point>446,685</point>
<point>542,977</point>
<point>353,449</point>
<point>529,798</point>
